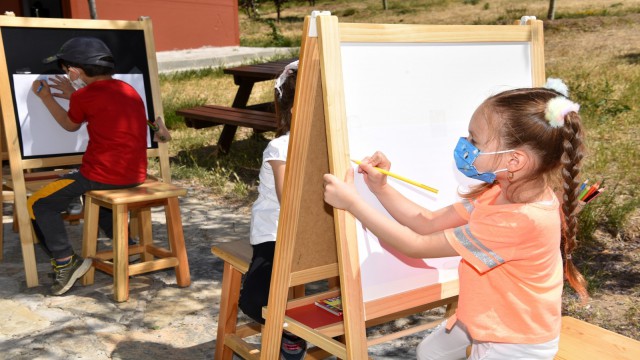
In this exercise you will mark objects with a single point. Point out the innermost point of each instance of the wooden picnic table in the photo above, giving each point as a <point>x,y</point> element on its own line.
<point>259,117</point>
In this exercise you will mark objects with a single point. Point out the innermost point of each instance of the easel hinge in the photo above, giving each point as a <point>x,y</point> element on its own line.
<point>525,19</point>
<point>313,30</point>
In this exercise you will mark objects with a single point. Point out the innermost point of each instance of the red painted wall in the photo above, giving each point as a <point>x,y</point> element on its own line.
<point>177,24</point>
<point>11,5</point>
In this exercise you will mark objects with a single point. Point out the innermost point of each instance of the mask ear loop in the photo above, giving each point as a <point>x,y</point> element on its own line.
<point>509,173</point>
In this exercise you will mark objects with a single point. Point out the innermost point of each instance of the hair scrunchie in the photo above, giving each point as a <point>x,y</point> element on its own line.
<point>557,109</point>
<point>283,77</point>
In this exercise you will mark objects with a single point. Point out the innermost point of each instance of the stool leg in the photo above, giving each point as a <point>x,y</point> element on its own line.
<point>120,253</point>
<point>90,236</point>
<point>228,315</point>
<point>144,229</point>
<point>176,241</point>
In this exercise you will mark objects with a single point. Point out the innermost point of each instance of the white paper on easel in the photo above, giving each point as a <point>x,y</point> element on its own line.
<point>40,133</point>
<point>413,102</point>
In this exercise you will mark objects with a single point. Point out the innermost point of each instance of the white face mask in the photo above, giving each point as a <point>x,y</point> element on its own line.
<point>77,83</point>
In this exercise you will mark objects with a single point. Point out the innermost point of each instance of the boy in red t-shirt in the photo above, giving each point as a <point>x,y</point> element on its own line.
<point>116,155</point>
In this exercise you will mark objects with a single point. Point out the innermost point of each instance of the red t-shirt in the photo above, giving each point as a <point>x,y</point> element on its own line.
<point>117,126</point>
<point>511,274</point>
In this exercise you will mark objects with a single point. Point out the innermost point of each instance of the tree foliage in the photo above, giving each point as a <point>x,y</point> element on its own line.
<point>251,7</point>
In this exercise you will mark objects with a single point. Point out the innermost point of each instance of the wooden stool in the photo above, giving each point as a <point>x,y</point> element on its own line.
<point>237,257</point>
<point>230,337</point>
<point>139,200</point>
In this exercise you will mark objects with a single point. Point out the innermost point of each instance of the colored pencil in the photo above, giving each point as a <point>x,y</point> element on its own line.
<point>594,195</point>
<point>402,178</point>
<point>592,189</point>
<point>584,184</point>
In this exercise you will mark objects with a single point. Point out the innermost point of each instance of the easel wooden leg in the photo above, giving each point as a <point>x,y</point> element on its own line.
<point>228,317</point>
<point>29,258</point>
<point>1,230</point>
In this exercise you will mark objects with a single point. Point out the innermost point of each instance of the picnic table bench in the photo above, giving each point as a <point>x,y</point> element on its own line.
<point>259,117</point>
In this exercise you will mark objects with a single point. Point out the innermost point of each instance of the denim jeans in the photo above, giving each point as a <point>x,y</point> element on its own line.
<point>46,205</point>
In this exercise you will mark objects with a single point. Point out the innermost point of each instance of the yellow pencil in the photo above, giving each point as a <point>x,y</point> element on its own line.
<point>402,178</point>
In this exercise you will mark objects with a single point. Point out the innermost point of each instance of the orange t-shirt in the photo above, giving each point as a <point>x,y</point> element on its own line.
<point>511,273</point>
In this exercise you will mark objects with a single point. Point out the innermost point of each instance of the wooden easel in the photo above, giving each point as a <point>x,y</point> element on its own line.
<point>316,242</point>
<point>18,164</point>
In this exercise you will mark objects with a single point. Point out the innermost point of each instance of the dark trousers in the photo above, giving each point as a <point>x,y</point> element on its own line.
<point>257,282</point>
<point>46,205</point>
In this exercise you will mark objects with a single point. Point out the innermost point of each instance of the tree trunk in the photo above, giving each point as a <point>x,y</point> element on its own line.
<point>92,9</point>
<point>552,10</point>
<point>384,4</point>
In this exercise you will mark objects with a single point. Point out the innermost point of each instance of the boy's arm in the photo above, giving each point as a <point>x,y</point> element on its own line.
<point>42,90</point>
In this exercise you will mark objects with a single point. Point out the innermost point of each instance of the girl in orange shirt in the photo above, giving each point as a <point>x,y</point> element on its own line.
<point>514,236</point>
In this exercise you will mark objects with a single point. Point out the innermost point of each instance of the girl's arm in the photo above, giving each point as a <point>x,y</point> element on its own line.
<point>278,167</point>
<point>343,195</point>
<point>405,211</point>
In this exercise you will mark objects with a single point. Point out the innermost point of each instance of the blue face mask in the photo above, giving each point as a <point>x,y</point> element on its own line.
<point>466,153</point>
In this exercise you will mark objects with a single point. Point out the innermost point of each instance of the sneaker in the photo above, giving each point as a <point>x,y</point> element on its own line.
<point>291,349</point>
<point>75,207</point>
<point>67,274</point>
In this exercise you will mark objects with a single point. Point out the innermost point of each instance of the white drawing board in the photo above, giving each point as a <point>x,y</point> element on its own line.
<point>413,102</point>
<point>38,128</point>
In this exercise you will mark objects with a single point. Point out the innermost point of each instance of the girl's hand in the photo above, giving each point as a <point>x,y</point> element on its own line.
<point>374,179</point>
<point>340,194</point>
<point>62,84</point>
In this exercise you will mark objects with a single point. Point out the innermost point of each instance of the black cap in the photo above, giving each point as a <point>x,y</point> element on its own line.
<point>83,51</point>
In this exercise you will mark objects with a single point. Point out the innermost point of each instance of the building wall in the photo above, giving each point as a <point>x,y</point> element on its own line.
<point>11,5</point>
<point>177,24</point>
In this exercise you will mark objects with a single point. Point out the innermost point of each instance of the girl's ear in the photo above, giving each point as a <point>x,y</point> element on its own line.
<point>518,160</point>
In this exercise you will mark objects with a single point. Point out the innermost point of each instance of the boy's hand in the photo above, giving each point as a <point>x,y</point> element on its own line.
<point>41,88</point>
<point>62,84</point>
<point>340,194</point>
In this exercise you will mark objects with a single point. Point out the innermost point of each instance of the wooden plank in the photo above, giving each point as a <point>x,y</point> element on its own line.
<point>383,33</point>
<point>580,340</point>
<point>237,253</point>
<point>153,265</point>
<point>212,115</point>
<point>149,191</point>
<point>266,71</point>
